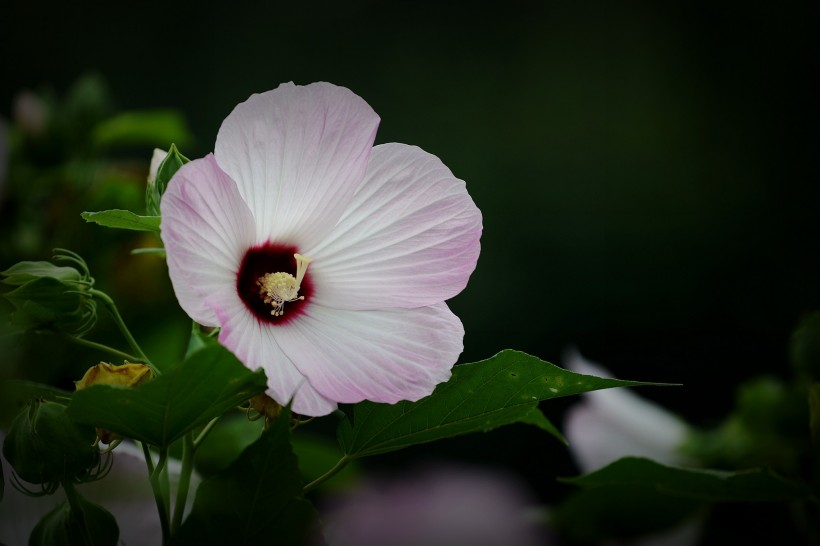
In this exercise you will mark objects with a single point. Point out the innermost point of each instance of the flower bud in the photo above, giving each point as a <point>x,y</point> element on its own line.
<point>266,407</point>
<point>124,375</point>
<point>44,446</point>
<point>162,168</point>
<point>52,297</point>
<point>89,523</point>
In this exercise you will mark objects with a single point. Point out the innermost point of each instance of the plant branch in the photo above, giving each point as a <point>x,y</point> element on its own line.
<point>327,475</point>
<point>100,347</point>
<point>115,314</point>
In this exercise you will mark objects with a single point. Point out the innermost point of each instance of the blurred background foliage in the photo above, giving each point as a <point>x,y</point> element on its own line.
<point>647,172</point>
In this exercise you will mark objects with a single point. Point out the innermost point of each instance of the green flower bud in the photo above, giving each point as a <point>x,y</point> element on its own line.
<point>44,446</point>
<point>87,524</point>
<point>52,297</point>
<point>163,166</point>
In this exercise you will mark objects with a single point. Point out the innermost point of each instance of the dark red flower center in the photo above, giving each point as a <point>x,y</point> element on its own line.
<point>267,259</point>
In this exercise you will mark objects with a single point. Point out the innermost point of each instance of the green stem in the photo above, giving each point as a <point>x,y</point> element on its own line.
<point>204,433</point>
<point>159,496</point>
<point>149,461</point>
<point>115,314</point>
<point>188,451</point>
<point>327,475</point>
<point>77,511</point>
<point>101,347</point>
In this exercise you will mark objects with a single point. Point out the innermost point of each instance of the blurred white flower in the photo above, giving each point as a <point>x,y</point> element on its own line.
<point>615,423</point>
<point>449,506</point>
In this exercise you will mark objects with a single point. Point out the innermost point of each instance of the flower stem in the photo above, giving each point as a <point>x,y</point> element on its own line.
<point>115,314</point>
<point>327,475</point>
<point>159,496</point>
<point>101,347</point>
<point>188,451</point>
<point>76,509</point>
<point>204,432</point>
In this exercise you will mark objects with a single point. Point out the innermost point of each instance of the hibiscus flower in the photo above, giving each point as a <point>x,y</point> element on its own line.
<point>323,259</point>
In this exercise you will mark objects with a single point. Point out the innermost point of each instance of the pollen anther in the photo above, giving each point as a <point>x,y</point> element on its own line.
<point>279,288</point>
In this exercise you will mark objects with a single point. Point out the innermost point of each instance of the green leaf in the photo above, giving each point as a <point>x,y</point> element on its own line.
<point>256,500</point>
<point>226,441</point>
<point>154,251</point>
<point>123,219</point>
<point>601,515</point>
<point>146,127</point>
<point>199,340</point>
<point>755,485</point>
<point>317,454</point>
<point>206,385</point>
<point>499,391</point>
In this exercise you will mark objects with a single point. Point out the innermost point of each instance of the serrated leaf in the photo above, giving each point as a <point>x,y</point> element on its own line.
<point>206,385</point>
<point>499,391</point>
<point>256,500</point>
<point>754,485</point>
<point>123,219</point>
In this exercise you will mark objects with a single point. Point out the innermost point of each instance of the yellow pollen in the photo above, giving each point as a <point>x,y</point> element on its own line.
<point>279,288</point>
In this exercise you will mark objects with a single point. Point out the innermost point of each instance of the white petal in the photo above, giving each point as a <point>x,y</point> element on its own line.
<point>383,356</point>
<point>254,343</point>
<point>206,228</point>
<point>156,160</point>
<point>409,238</point>
<point>298,154</point>
<point>615,423</point>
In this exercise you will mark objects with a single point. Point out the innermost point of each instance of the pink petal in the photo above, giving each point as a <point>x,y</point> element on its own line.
<point>254,343</point>
<point>409,238</point>
<point>297,154</point>
<point>206,228</point>
<point>383,356</point>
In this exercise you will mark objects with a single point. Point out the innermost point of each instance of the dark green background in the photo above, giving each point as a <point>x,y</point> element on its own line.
<point>647,171</point>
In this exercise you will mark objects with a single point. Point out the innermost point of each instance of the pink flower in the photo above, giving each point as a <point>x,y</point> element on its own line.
<point>323,259</point>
